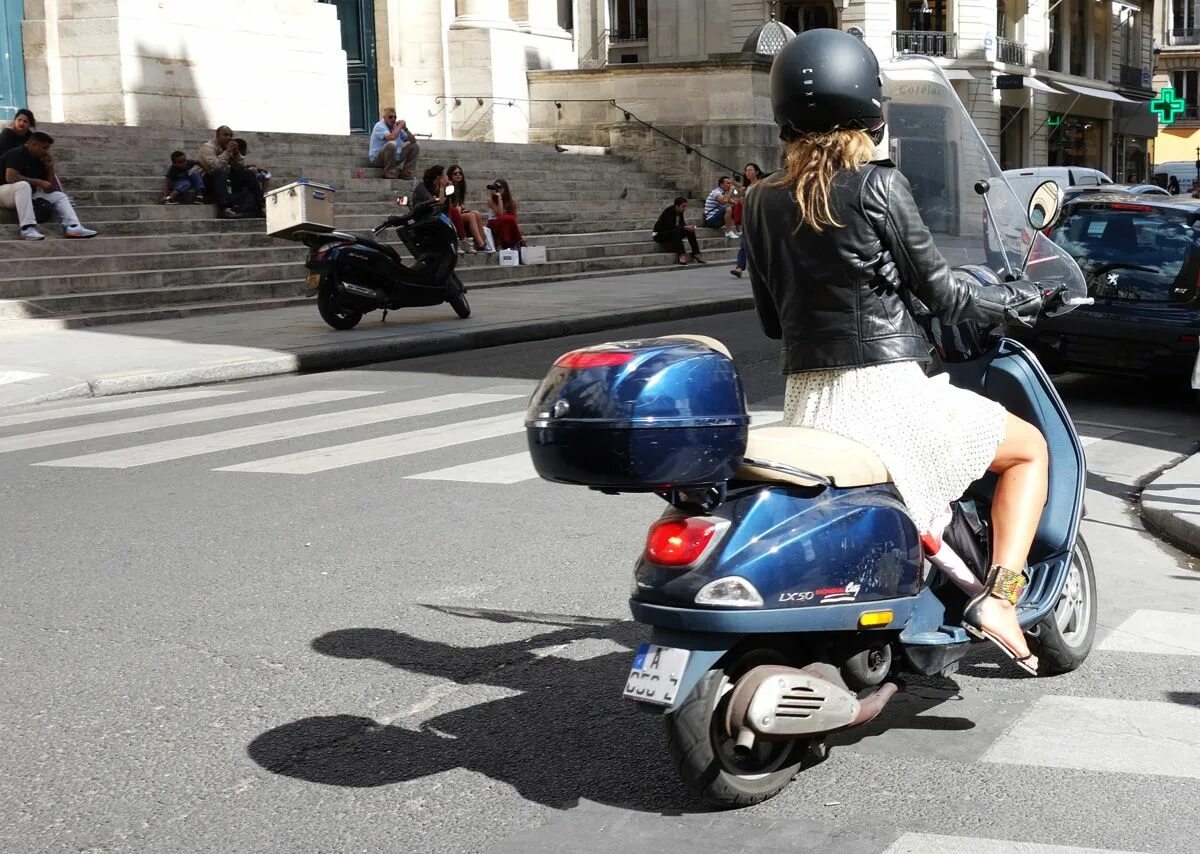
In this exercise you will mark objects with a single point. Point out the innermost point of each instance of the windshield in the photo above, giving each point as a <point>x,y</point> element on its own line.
<point>1110,240</point>
<point>934,142</point>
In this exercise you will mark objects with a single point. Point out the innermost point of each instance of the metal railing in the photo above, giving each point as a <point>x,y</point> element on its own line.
<point>926,43</point>
<point>626,38</point>
<point>453,101</point>
<point>1129,75</point>
<point>1184,35</point>
<point>1011,52</point>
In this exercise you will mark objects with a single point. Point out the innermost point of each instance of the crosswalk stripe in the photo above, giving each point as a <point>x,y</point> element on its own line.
<point>930,843</point>
<point>519,467</point>
<point>7,377</point>
<point>1096,734</point>
<point>191,446</point>
<point>131,402</point>
<point>511,469</point>
<point>1160,632</point>
<point>386,447</point>
<point>104,429</point>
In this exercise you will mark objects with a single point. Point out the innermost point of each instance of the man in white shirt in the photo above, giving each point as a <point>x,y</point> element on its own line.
<point>392,143</point>
<point>718,207</point>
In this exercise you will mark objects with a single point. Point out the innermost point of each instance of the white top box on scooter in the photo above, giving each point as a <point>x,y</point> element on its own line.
<point>300,206</point>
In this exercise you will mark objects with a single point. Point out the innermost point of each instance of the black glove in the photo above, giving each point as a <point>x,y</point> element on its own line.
<point>1027,300</point>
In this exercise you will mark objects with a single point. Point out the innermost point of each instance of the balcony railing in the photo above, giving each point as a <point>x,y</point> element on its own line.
<point>626,37</point>
<point>1130,75</point>
<point>926,43</point>
<point>1014,53</point>
<point>1184,36</point>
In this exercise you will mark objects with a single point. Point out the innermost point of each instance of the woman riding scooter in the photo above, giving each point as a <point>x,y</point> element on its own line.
<point>820,236</point>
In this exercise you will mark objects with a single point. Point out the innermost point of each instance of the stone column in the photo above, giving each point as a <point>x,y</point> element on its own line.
<point>487,63</point>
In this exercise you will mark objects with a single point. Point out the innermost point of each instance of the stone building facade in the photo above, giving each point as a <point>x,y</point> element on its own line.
<point>1048,81</point>
<point>1177,32</point>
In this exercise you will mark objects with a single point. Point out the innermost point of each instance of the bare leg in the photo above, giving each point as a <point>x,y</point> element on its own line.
<point>472,221</point>
<point>1022,463</point>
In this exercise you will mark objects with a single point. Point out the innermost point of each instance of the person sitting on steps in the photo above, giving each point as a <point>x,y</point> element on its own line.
<point>718,207</point>
<point>393,143</point>
<point>28,174</point>
<point>502,216</point>
<point>465,221</point>
<point>184,181</point>
<point>670,231</point>
<point>225,173</point>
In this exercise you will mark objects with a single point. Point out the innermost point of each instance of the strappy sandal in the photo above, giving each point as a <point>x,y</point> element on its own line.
<point>1006,585</point>
<point>681,260</point>
<point>696,257</point>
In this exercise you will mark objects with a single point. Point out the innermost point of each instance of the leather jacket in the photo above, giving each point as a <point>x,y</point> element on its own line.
<point>829,295</point>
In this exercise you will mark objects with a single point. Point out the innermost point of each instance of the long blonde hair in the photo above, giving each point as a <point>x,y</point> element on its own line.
<point>811,161</point>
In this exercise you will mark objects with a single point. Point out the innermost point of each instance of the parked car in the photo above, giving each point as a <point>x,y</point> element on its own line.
<point>1025,181</point>
<point>1141,257</point>
<point>1075,192</point>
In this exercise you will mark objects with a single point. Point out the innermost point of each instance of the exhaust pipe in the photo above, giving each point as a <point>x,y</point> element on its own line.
<point>775,703</point>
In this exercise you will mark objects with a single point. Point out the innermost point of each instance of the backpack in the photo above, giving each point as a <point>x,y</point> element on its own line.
<point>244,202</point>
<point>43,211</point>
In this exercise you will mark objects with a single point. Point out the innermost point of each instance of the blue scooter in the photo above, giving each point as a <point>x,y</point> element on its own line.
<point>785,585</point>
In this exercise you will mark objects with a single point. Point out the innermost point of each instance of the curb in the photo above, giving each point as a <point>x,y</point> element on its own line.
<point>330,357</point>
<point>1170,505</point>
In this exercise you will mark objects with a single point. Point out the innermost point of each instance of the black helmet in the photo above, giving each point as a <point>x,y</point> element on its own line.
<point>823,80</point>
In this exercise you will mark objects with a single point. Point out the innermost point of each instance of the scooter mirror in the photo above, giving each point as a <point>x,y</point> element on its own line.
<point>1044,204</point>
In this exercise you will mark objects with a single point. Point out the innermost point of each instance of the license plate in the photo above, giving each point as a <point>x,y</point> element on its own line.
<point>656,673</point>
<point>313,282</point>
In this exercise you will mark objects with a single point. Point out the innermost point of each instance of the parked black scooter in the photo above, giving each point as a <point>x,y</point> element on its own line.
<point>352,275</point>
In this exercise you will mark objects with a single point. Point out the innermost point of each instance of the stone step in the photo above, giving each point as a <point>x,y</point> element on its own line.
<point>17,253</point>
<point>151,229</point>
<point>531,212</point>
<point>108,305</point>
<point>149,192</point>
<point>81,276</point>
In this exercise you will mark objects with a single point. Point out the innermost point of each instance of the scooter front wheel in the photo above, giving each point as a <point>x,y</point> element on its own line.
<point>335,315</point>
<point>705,754</point>
<point>1064,637</point>
<point>458,297</point>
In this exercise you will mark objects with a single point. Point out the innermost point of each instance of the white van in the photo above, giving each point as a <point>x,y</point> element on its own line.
<point>1183,171</point>
<point>1025,181</point>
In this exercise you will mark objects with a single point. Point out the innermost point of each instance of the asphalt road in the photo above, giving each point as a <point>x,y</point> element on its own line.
<point>249,618</point>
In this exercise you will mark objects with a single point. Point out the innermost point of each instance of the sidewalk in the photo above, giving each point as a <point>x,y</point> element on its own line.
<point>1171,505</point>
<point>106,360</point>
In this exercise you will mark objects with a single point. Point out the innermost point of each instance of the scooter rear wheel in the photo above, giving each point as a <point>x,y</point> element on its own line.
<point>704,753</point>
<point>1064,637</point>
<point>336,316</point>
<point>458,299</point>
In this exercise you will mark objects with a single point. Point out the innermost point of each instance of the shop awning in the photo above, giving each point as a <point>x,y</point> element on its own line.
<point>1094,93</point>
<point>1034,83</point>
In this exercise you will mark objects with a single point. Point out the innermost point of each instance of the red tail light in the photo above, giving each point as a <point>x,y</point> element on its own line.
<point>1125,206</point>
<point>593,359</point>
<point>679,541</point>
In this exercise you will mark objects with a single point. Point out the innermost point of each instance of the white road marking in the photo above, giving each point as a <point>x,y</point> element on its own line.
<point>1096,734</point>
<point>516,468</point>
<point>386,447</point>
<point>122,426</point>
<point>7,377</point>
<point>191,446</point>
<point>928,843</point>
<point>130,402</point>
<point>1158,632</point>
<point>511,469</point>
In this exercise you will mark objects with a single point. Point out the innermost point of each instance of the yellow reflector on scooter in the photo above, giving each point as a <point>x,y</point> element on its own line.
<point>875,618</point>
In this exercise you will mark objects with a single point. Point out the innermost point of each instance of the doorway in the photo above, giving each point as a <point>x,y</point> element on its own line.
<point>12,58</point>
<point>357,19</point>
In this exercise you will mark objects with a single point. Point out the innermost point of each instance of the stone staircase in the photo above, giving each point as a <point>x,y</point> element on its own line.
<point>152,261</point>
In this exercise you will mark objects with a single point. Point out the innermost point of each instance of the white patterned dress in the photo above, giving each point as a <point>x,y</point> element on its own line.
<point>934,438</point>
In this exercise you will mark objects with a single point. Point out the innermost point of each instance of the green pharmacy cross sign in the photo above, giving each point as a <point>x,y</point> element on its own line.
<point>1168,107</point>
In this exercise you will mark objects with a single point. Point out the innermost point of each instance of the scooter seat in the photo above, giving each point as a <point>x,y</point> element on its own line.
<point>843,461</point>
